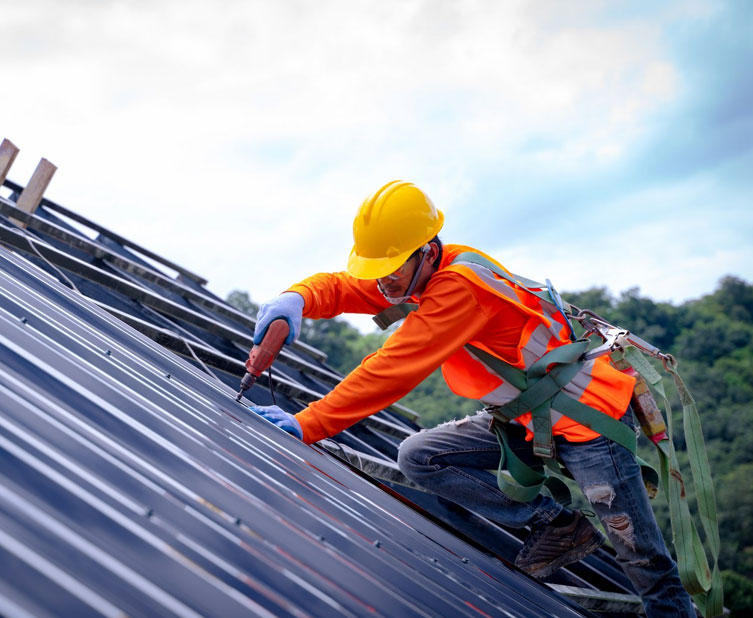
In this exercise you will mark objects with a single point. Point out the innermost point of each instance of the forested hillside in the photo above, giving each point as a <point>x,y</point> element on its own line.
<point>711,337</point>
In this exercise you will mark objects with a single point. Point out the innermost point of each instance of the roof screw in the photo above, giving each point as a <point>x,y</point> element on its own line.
<point>238,521</point>
<point>321,538</point>
<point>24,320</point>
<point>377,543</point>
<point>167,375</point>
<point>149,512</point>
<point>435,561</point>
<point>108,353</point>
<point>465,560</point>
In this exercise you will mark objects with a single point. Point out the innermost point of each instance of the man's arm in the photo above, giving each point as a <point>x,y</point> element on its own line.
<point>326,295</point>
<point>320,296</point>
<point>449,317</point>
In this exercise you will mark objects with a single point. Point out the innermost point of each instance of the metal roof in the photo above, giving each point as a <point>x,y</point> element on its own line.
<point>132,483</point>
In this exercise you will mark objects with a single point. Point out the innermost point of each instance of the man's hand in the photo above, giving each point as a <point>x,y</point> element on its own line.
<point>288,305</point>
<point>278,416</point>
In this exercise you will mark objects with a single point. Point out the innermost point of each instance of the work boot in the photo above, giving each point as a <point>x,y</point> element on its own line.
<point>548,548</point>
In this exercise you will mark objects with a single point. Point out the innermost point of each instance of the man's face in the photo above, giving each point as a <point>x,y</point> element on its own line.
<point>397,283</point>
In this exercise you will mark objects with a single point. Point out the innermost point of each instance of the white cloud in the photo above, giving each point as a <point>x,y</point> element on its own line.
<point>650,240</point>
<point>237,138</point>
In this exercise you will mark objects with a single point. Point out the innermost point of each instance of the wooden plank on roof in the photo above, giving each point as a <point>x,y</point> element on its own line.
<point>8,153</point>
<point>31,196</point>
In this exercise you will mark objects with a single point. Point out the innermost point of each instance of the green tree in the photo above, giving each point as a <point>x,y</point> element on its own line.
<point>735,504</point>
<point>341,342</point>
<point>242,302</point>
<point>598,300</point>
<point>738,594</point>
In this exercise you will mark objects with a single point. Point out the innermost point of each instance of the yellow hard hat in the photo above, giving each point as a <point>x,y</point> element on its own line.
<point>390,225</point>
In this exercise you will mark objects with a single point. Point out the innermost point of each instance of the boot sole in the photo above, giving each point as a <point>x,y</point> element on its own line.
<point>578,553</point>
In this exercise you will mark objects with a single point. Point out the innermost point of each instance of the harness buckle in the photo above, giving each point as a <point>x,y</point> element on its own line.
<point>614,338</point>
<point>547,451</point>
<point>496,414</point>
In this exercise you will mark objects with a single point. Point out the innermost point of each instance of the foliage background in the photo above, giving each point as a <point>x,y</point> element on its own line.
<point>712,338</point>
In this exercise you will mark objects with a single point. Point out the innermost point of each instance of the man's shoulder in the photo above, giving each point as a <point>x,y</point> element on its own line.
<point>454,276</point>
<point>452,252</point>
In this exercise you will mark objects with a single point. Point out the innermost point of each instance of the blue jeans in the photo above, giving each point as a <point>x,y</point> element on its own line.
<point>454,459</point>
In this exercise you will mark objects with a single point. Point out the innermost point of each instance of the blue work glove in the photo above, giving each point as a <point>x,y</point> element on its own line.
<point>288,305</point>
<point>277,416</point>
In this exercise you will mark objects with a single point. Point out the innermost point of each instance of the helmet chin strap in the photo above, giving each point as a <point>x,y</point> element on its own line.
<point>398,300</point>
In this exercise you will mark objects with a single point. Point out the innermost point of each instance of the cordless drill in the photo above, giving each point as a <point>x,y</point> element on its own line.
<point>263,355</point>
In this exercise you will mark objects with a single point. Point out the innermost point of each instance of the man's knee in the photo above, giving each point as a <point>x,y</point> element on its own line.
<point>411,455</point>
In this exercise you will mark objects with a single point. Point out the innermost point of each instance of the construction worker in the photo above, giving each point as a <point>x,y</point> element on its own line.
<point>397,257</point>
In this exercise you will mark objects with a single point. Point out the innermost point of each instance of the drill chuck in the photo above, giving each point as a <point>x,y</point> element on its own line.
<point>263,355</point>
<point>246,383</point>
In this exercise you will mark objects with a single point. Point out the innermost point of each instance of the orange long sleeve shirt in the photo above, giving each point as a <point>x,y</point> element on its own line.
<point>452,311</point>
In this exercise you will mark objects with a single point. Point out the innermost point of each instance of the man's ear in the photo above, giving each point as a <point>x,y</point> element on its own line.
<point>433,252</point>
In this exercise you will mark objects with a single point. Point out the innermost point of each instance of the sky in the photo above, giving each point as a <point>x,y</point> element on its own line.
<point>592,143</point>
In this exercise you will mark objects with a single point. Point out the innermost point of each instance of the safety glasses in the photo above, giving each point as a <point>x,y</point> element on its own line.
<point>400,272</point>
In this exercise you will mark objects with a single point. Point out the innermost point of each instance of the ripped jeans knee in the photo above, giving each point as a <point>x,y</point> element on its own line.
<point>619,526</point>
<point>599,492</point>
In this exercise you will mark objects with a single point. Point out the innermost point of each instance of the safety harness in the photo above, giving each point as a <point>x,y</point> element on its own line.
<point>541,390</point>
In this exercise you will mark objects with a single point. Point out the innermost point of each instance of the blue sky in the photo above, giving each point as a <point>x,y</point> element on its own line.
<point>594,143</point>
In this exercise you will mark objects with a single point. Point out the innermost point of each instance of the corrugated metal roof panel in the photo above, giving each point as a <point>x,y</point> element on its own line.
<point>131,482</point>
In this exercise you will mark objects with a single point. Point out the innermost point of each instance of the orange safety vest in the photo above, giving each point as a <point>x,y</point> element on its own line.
<point>598,384</point>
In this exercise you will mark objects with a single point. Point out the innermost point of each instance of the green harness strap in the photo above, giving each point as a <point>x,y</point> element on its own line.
<point>512,375</point>
<point>543,392</point>
<point>704,584</point>
<point>527,482</point>
<point>387,317</point>
<point>574,409</point>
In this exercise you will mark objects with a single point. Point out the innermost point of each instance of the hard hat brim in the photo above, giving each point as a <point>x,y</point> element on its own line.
<point>375,268</point>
